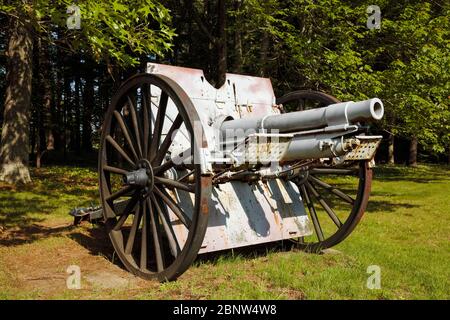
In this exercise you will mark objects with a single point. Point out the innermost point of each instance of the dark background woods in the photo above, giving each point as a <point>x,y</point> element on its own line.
<point>319,45</point>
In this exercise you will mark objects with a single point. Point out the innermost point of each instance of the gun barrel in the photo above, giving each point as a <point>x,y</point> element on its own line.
<point>336,114</point>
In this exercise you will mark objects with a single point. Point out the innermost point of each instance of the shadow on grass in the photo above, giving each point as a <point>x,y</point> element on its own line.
<point>16,212</point>
<point>248,253</point>
<point>421,174</point>
<point>376,206</point>
<point>97,242</point>
<point>32,233</point>
<point>23,214</point>
<point>19,211</point>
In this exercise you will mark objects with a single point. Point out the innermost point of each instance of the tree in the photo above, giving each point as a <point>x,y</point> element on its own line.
<point>326,45</point>
<point>211,19</point>
<point>113,30</point>
<point>14,139</point>
<point>417,80</point>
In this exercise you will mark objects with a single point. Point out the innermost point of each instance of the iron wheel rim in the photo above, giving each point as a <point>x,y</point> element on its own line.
<point>359,205</point>
<point>151,206</point>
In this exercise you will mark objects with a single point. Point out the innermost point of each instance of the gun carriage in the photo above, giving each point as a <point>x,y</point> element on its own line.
<point>185,168</point>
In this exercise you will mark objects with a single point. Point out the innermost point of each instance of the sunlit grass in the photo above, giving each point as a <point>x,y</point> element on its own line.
<point>406,232</point>
<point>52,194</point>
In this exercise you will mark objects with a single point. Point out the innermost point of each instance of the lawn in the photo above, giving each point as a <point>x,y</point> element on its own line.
<point>406,232</point>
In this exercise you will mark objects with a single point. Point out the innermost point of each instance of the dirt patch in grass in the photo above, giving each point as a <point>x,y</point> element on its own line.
<point>38,258</point>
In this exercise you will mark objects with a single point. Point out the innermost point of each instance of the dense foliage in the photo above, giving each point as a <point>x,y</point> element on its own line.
<point>326,45</point>
<point>322,45</point>
<point>120,30</point>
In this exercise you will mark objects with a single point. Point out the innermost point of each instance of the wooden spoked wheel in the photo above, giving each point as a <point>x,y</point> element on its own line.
<point>147,167</point>
<point>335,195</point>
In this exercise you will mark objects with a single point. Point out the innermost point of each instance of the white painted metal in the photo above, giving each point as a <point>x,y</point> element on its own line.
<point>239,214</point>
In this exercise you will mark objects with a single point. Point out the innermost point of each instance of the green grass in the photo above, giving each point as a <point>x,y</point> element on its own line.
<point>406,232</point>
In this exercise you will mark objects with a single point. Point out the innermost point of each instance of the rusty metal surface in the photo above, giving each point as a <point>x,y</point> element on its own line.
<point>240,89</point>
<point>190,215</point>
<point>366,149</point>
<point>241,214</point>
<point>261,148</point>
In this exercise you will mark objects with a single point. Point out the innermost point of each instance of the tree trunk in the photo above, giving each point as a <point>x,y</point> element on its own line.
<point>448,155</point>
<point>413,152</point>
<point>58,96</point>
<point>46,77</point>
<point>46,140</point>
<point>14,144</point>
<point>36,102</point>
<point>237,41</point>
<point>76,128</point>
<point>264,54</point>
<point>391,157</point>
<point>221,44</point>
<point>238,54</point>
<point>88,106</point>
<point>67,107</point>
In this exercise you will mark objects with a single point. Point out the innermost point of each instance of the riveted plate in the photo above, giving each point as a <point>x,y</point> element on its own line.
<point>366,150</point>
<point>261,148</point>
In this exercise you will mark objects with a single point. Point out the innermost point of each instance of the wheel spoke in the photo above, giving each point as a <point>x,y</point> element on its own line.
<point>312,212</point>
<point>323,203</point>
<point>187,175</point>
<point>134,228</point>
<point>134,120</point>
<point>167,225</point>
<point>172,162</point>
<point>167,140</point>
<point>333,171</point>
<point>119,193</point>
<point>175,184</point>
<point>126,212</point>
<point>154,234</point>
<point>126,132</point>
<point>174,207</point>
<point>332,189</point>
<point>120,222</point>
<point>157,239</point>
<point>146,119</point>
<point>144,236</point>
<point>330,193</point>
<point>115,170</point>
<point>159,122</point>
<point>119,149</point>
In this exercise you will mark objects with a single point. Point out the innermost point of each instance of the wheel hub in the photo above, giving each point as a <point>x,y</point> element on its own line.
<point>142,177</point>
<point>302,177</point>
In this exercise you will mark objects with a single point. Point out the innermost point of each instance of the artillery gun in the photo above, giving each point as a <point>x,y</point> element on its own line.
<point>186,169</point>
